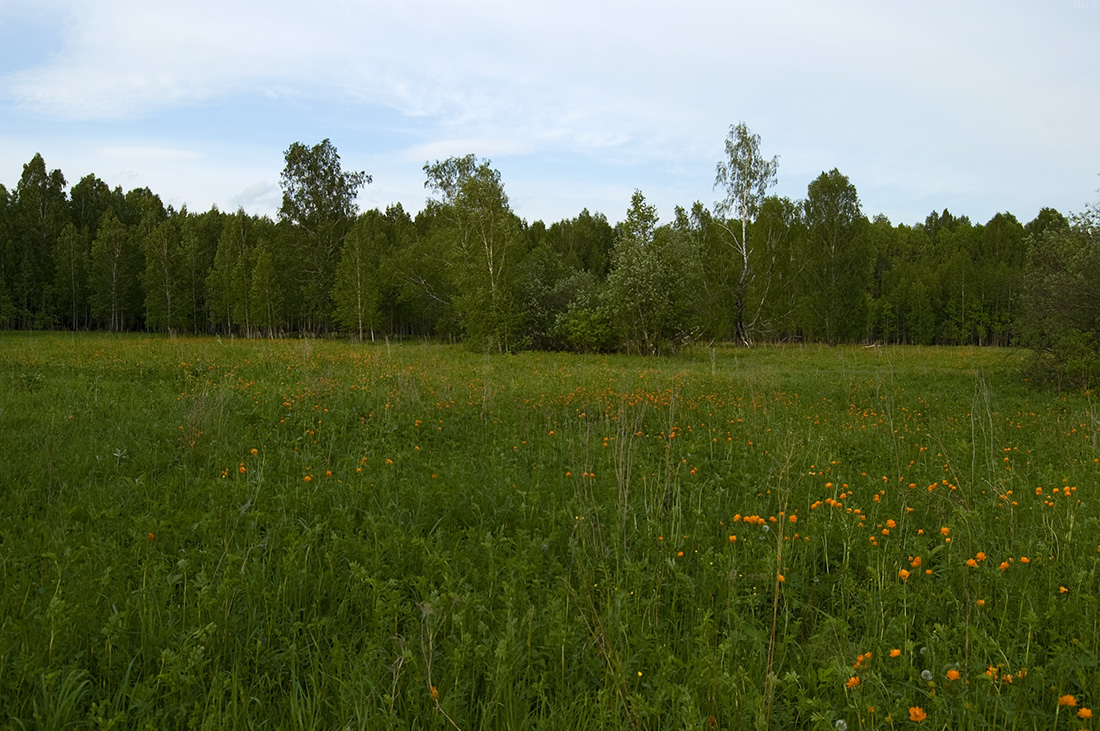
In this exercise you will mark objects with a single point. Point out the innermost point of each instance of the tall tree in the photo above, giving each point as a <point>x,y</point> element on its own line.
<point>265,296</point>
<point>1060,318</point>
<point>319,201</point>
<point>41,212</point>
<point>228,284</point>
<point>357,293</point>
<point>838,272</point>
<point>71,258</point>
<point>745,175</point>
<point>114,271</point>
<point>7,258</point>
<point>482,239</point>
<point>163,278</point>
<point>653,281</point>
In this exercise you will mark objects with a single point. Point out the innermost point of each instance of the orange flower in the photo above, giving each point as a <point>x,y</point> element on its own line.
<point>981,555</point>
<point>904,574</point>
<point>944,530</point>
<point>981,603</point>
<point>254,452</point>
<point>915,563</point>
<point>852,682</point>
<point>971,563</point>
<point>1085,713</point>
<point>952,674</point>
<point>152,537</point>
<point>1067,700</point>
<point>891,524</point>
<point>917,714</point>
<point>895,652</point>
<point>733,539</point>
<point>1025,559</point>
<point>434,692</point>
<point>1003,566</point>
<point>1062,590</point>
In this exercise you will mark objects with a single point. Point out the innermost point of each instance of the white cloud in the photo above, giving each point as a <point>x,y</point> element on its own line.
<point>915,99</point>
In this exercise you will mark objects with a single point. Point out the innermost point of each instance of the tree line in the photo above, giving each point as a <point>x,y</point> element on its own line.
<point>752,268</point>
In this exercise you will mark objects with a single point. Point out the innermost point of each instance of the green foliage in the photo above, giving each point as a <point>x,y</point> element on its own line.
<point>745,176</point>
<point>319,201</point>
<point>115,275</point>
<point>757,268</point>
<point>357,292</point>
<point>837,271</point>
<point>481,243</point>
<point>652,283</point>
<point>1061,305</point>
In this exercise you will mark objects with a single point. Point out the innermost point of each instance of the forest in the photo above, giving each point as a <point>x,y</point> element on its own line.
<point>752,268</point>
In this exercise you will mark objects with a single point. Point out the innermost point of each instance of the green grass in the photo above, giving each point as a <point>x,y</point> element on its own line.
<point>201,533</point>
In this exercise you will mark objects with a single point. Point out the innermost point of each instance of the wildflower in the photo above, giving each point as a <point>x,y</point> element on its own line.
<point>1062,590</point>
<point>952,674</point>
<point>971,563</point>
<point>980,556</point>
<point>242,469</point>
<point>926,675</point>
<point>1067,700</point>
<point>1003,566</point>
<point>891,524</point>
<point>308,478</point>
<point>1085,713</point>
<point>904,574</point>
<point>152,537</point>
<point>842,725</point>
<point>895,652</point>
<point>852,682</point>
<point>254,451</point>
<point>733,539</point>
<point>917,714</point>
<point>915,563</point>
<point>981,603</point>
<point>944,530</point>
<point>434,692</point>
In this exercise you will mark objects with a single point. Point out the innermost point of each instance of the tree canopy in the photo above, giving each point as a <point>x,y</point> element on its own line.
<point>753,268</point>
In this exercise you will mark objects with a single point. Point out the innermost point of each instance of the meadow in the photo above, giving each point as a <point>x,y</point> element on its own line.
<point>311,534</point>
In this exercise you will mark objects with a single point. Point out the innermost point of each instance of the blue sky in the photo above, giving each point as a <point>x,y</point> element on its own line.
<point>977,106</point>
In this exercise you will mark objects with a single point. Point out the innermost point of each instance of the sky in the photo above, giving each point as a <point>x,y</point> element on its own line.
<point>976,106</point>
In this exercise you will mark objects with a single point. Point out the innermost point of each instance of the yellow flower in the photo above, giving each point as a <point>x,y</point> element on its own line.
<point>917,714</point>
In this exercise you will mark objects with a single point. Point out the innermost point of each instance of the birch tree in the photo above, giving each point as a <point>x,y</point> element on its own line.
<point>745,176</point>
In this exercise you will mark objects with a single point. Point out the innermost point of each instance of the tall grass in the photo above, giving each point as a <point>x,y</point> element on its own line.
<point>311,534</point>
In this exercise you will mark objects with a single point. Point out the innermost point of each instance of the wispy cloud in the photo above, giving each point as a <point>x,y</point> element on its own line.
<point>945,90</point>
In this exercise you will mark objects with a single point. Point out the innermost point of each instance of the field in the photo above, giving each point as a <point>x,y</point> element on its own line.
<point>202,533</point>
